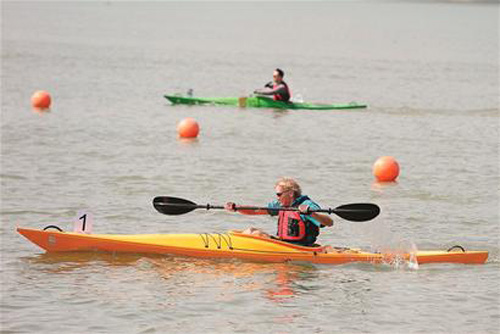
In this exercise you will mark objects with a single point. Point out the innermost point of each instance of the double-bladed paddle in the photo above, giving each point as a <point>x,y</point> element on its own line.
<point>357,212</point>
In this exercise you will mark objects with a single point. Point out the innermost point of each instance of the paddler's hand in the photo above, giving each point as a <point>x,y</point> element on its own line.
<point>304,209</point>
<point>230,206</point>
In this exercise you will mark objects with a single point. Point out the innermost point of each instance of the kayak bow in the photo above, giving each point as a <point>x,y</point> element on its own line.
<point>260,102</point>
<point>232,244</point>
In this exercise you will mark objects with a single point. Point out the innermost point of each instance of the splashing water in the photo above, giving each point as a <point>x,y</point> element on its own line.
<point>297,98</point>
<point>401,256</point>
<point>412,261</point>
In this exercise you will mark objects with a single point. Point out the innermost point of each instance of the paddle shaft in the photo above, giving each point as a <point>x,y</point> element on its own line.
<point>252,208</point>
<point>353,212</point>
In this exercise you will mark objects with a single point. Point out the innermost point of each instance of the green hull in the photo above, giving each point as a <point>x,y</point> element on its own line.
<point>260,102</point>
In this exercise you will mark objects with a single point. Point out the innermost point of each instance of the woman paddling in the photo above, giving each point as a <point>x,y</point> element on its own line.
<point>301,227</point>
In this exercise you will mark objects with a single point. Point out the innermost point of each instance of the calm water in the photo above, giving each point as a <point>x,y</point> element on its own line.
<point>429,72</point>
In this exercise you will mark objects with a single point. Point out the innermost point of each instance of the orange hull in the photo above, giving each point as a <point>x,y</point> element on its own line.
<point>230,245</point>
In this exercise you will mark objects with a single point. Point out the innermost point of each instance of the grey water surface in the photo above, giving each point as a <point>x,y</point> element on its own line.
<point>428,71</point>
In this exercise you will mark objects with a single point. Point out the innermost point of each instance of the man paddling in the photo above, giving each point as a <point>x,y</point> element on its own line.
<point>301,227</point>
<point>277,88</point>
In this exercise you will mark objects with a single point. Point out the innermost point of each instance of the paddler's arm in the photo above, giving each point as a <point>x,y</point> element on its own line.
<point>270,91</point>
<point>231,207</point>
<point>323,219</point>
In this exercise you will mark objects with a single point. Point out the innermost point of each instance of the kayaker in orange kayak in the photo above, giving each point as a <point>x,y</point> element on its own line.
<point>277,88</point>
<point>296,227</point>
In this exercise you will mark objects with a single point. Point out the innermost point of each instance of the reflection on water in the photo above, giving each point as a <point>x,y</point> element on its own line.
<point>185,142</point>
<point>379,187</point>
<point>41,111</point>
<point>276,281</point>
<point>133,286</point>
<point>67,262</point>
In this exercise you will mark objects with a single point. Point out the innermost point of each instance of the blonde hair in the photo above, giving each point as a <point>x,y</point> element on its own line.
<point>287,183</point>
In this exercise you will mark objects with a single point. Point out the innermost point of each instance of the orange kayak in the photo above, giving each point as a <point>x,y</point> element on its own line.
<point>233,245</point>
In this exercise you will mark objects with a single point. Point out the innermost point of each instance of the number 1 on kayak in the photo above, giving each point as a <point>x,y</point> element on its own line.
<point>84,222</point>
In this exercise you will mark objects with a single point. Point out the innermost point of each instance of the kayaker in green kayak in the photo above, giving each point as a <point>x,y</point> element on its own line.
<point>277,88</point>
<point>301,227</point>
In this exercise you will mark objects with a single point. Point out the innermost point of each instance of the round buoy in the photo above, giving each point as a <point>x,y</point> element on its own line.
<point>41,100</point>
<point>188,128</point>
<point>386,169</point>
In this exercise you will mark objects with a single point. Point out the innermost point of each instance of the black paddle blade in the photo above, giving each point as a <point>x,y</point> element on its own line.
<point>357,212</point>
<point>173,205</point>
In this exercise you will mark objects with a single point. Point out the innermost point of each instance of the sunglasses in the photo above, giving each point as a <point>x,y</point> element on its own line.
<point>281,193</point>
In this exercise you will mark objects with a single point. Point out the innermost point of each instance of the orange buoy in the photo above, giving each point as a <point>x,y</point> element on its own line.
<point>41,100</point>
<point>386,169</point>
<point>188,128</point>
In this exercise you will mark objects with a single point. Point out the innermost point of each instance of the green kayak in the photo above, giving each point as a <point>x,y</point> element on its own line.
<point>260,102</point>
